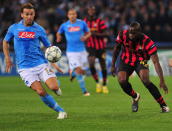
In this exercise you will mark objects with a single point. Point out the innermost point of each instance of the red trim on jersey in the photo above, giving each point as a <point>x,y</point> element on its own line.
<point>94,41</point>
<point>150,52</point>
<point>149,45</point>
<point>103,27</point>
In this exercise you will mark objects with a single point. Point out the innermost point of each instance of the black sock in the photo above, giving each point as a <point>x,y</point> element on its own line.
<point>94,74</point>
<point>127,88</point>
<point>104,73</point>
<point>155,93</point>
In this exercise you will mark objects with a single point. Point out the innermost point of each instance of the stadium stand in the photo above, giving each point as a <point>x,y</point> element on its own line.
<point>154,15</point>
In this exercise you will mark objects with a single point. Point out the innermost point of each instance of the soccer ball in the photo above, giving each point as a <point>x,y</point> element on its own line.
<point>53,54</point>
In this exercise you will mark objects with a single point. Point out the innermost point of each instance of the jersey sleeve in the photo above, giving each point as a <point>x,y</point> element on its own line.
<point>102,25</point>
<point>9,34</point>
<point>86,29</point>
<point>61,29</point>
<point>44,39</point>
<point>119,38</point>
<point>150,46</point>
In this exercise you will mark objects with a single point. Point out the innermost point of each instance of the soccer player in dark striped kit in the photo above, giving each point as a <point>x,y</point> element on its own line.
<point>96,48</point>
<point>137,49</point>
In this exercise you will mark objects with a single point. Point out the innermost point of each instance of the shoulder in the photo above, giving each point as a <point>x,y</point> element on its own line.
<point>145,37</point>
<point>12,27</point>
<point>81,21</point>
<point>65,23</point>
<point>39,27</point>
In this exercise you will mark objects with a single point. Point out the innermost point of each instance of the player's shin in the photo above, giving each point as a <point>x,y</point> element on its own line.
<point>94,74</point>
<point>127,88</point>
<point>81,82</point>
<point>155,93</point>
<point>50,102</point>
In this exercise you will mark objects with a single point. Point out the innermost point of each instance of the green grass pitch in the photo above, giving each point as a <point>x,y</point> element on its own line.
<point>21,109</point>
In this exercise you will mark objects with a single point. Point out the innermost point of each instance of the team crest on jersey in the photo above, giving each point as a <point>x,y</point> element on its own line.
<point>95,24</point>
<point>140,47</point>
<point>24,34</point>
<point>127,44</point>
<point>74,29</point>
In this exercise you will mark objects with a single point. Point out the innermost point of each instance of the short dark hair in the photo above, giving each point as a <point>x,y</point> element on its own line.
<point>91,7</point>
<point>72,9</point>
<point>27,6</point>
<point>136,25</point>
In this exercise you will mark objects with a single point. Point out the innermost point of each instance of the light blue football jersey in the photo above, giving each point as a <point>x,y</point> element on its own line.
<point>73,33</point>
<point>27,44</point>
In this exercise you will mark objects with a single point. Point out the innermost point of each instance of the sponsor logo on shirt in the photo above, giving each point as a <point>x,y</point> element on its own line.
<point>30,35</point>
<point>74,29</point>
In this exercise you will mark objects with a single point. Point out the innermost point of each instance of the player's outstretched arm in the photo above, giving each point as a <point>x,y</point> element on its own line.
<point>8,61</point>
<point>56,67</point>
<point>115,54</point>
<point>159,71</point>
<point>104,33</point>
<point>86,36</point>
<point>58,37</point>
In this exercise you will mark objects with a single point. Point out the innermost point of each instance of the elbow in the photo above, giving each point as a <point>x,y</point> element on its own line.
<point>89,34</point>
<point>4,43</point>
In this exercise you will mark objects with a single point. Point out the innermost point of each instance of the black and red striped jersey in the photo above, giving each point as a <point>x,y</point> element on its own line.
<point>133,52</point>
<point>97,25</point>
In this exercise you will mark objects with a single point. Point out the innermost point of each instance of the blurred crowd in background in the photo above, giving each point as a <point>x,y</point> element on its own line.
<point>155,16</point>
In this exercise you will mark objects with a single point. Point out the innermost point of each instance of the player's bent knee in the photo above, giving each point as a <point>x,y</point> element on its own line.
<point>54,88</point>
<point>41,92</point>
<point>80,71</point>
<point>122,80</point>
<point>146,82</point>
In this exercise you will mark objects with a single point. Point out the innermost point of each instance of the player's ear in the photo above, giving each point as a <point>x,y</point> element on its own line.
<point>21,15</point>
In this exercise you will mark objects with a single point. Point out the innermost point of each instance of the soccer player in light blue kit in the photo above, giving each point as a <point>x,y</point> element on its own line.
<point>76,33</point>
<point>31,63</point>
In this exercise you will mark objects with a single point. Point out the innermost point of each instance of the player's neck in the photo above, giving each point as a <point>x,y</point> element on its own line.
<point>91,17</point>
<point>72,21</point>
<point>27,24</point>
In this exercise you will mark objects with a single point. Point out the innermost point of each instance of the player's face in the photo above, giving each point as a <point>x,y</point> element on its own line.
<point>28,16</point>
<point>72,15</point>
<point>91,11</point>
<point>133,35</point>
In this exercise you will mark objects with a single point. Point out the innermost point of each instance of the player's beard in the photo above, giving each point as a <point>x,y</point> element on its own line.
<point>29,22</point>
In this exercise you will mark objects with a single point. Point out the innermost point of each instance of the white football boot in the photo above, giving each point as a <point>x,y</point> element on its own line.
<point>62,115</point>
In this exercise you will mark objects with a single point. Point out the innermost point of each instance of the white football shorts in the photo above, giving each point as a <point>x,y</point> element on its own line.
<point>77,59</point>
<point>39,73</point>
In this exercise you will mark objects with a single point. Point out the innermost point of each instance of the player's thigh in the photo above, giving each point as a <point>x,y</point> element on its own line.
<point>143,72</point>
<point>91,60</point>
<point>101,54</point>
<point>102,58</point>
<point>52,83</point>
<point>122,76</point>
<point>36,86</point>
<point>83,60</point>
<point>28,76</point>
<point>46,73</point>
<point>91,52</point>
<point>73,60</point>
<point>124,71</point>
